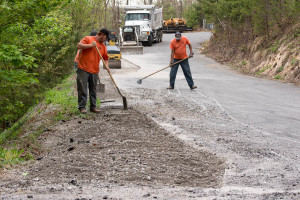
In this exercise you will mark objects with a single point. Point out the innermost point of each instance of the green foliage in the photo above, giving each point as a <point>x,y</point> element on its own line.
<point>20,11</point>
<point>293,61</point>
<point>10,157</point>
<point>297,32</point>
<point>11,57</point>
<point>274,47</point>
<point>277,77</point>
<point>193,15</point>
<point>63,97</point>
<point>81,16</point>
<point>262,70</point>
<point>169,11</point>
<point>13,132</point>
<point>14,92</point>
<point>280,69</point>
<point>14,80</point>
<point>36,48</point>
<point>257,17</point>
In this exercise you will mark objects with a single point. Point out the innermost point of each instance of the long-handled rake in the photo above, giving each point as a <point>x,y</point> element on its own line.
<point>123,97</point>
<point>140,80</point>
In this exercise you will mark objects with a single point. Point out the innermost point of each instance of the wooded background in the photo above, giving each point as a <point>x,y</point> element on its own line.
<point>38,38</point>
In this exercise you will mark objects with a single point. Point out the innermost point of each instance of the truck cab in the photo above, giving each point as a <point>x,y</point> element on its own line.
<point>148,22</point>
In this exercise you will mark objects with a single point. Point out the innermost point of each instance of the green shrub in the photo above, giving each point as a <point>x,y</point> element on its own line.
<point>10,157</point>
<point>280,69</point>
<point>275,47</point>
<point>277,77</point>
<point>294,61</point>
<point>63,97</point>
<point>263,70</point>
<point>35,49</point>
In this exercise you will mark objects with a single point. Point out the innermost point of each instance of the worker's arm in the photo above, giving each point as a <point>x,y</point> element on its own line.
<point>106,64</point>
<point>191,50</point>
<point>86,46</point>
<point>105,59</point>
<point>172,56</point>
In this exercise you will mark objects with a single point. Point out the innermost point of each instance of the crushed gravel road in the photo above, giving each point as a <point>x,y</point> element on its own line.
<point>162,147</point>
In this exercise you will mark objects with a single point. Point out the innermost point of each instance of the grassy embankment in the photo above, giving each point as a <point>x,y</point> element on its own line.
<point>19,143</point>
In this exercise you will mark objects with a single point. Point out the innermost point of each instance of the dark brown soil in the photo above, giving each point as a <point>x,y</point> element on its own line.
<point>114,147</point>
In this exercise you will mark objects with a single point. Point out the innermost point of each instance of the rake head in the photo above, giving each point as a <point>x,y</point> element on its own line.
<point>139,81</point>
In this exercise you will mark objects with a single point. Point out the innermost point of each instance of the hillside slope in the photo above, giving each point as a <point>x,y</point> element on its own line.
<point>277,58</point>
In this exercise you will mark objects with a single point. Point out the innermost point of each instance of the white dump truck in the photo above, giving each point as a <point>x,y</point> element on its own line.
<point>143,23</point>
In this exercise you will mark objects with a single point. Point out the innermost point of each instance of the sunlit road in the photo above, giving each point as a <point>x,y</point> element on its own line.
<point>254,123</point>
<point>270,106</point>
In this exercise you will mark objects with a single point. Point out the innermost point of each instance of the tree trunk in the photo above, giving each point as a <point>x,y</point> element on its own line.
<point>266,19</point>
<point>180,9</point>
<point>106,2</point>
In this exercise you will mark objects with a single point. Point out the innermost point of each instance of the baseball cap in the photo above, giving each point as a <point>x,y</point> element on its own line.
<point>105,31</point>
<point>93,33</point>
<point>178,35</point>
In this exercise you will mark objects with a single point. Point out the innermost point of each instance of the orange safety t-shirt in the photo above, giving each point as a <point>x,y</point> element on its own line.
<point>179,47</point>
<point>88,59</point>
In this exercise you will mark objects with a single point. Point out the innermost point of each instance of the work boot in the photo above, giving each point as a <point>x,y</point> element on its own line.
<point>82,111</point>
<point>193,87</point>
<point>95,110</point>
<point>170,88</point>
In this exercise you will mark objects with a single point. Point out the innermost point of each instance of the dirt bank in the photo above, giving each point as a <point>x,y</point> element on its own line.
<point>86,156</point>
<point>272,58</point>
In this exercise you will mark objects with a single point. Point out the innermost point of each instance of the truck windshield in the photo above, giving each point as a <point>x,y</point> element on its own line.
<point>137,16</point>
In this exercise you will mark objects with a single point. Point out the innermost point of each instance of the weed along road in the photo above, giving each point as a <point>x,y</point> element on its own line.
<point>253,123</point>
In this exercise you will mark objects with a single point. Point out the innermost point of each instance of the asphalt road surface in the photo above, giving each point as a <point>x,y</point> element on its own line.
<point>251,122</point>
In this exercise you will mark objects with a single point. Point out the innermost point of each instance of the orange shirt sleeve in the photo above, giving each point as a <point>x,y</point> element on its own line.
<point>85,40</point>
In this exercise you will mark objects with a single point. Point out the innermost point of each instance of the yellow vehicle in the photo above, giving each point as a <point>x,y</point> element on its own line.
<point>175,24</point>
<point>114,55</point>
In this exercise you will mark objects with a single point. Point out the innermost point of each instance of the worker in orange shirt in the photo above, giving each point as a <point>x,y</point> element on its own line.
<point>178,52</point>
<point>92,33</point>
<point>87,65</point>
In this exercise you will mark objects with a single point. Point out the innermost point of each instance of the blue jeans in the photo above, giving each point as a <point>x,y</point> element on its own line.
<point>86,80</point>
<point>186,71</point>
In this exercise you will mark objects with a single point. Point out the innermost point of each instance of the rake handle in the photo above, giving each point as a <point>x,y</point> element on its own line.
<point>107,69</point>
<point>164,68</point>
<point>123,97</point>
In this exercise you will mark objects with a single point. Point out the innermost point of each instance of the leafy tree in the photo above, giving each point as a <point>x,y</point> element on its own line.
<point>13,81</point>
<point>37,47</point>
<point>194,15</point>
<point>35,38</point>
<point>256,17</point>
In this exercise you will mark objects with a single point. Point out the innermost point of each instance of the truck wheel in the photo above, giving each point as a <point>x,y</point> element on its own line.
<point>158,37</point>
<point>150,40</point>
<point>161,36</point>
